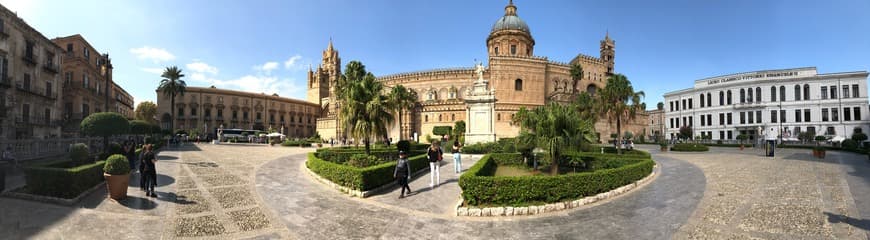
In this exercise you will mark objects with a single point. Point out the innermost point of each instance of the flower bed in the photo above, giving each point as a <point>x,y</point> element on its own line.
<point>479,187</point>
<point>56,179</point>
<point>690,147</point>
<point>360,178</point>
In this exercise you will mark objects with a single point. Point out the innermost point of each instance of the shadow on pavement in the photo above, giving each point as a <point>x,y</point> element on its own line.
<point>138,203</point>
<point>162,180</point>
<point>858,223</point>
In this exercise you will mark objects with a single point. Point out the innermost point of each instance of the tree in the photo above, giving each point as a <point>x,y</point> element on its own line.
<point>364,111</point>
<point>685,132</point>
<point>442,130</point>
<point>105,124</point>
<point>172,86</point>
<point>146,111</point>
<point>554,127</point>
<point>619,102</point>
<point>459,131</point>
<point>400,99</point>
<point>576,74</point>
<point>587,105</point>
<point>660,106</point>
<point>142,127</point>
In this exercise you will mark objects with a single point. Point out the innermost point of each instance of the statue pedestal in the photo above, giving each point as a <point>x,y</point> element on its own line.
<point>480,111</point>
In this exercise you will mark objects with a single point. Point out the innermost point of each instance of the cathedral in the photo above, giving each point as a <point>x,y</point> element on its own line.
<point>514,75</point>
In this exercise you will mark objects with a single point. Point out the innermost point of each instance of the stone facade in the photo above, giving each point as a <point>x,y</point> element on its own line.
<point>205,109</point>
<point>517,77</point>
<point>656,127</point>
<point>30,107</point>
<point>85,84</point>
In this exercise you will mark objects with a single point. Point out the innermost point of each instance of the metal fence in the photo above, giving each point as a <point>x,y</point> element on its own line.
<point>35,149</point>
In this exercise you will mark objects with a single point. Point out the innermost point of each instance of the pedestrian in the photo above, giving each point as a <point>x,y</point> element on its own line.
<point>149,161</point>
<point>8,157</point>
<point>402,174</point>
<point>457,156</point>
<point>435,155</point>
<point>129,151</point>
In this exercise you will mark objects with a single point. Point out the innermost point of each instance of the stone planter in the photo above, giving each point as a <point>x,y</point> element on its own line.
<point>664,148</point>
<point>741,147</point>
<point>821,154</point>
<point>117,185</point>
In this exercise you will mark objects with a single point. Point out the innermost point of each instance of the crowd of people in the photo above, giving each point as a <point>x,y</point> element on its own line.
<point>435,157</point>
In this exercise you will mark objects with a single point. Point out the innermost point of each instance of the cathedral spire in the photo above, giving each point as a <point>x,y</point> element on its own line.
<point>329,48</point>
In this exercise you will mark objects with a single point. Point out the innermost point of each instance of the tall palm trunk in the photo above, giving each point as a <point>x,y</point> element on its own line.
<point>618,135</point>
<point>400,124</point>
<point>172,114</point>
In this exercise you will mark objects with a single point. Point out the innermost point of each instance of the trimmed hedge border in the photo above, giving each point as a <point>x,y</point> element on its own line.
<point>690,147</point>
<point>479,187</point>
<point>63,182</point>
<point>360,179</point>
<point>53,200</point>
<point>551,207</point>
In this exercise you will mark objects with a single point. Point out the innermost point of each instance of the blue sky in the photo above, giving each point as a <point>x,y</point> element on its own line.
<point>266,46</point>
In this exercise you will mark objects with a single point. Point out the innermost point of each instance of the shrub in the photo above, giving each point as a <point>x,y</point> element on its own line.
<point>78,153</point>
<point>479,187</point>
<point>859,137</point>
<point>63,182</point>
<point>117,164</point>
<point>360,178</point>
<point>481,148</point>
<point>114,148</point>
<point>362,160</point>
<point>442,130</point>
<point>300,143</point>
<point>690,147</point>
<point>849,144</point>
<point>821,138</point>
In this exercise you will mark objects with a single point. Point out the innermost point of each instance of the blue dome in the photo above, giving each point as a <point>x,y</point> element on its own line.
<point>510,22</point>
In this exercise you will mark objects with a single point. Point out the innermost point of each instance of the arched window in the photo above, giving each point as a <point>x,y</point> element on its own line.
<point>782,93</point>
<point>721,98</point>
<point>591,89</point>
<point>452,117</point>
<point>742,95</point>
<point>749,92</point>
<point>806,92</point>
<point>426,118</point>
<point>439,117</point>
<point>758,94</point>
<point>498,117</point>
<point>709,100</point>
<point>797,92</point>
<point>772,93</point>
<point>729,97</point>
<point>702,100</point>
<point>518,84</point>
<point>496,50</point>
<point>513,49</point>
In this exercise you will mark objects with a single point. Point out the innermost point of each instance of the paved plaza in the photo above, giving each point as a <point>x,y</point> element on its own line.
<point>261,192</point>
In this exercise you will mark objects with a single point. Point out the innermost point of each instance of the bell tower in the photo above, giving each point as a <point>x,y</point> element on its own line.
<point>608,51</point>
<point>321,83</point>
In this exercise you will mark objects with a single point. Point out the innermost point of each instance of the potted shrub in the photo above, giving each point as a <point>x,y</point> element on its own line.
<point>819,152</point>
<point>664,146</point>
<point>117,174</point>
<point>741,138</point>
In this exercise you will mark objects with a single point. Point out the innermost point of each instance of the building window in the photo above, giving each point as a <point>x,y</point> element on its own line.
<point>806,92</point>
<point>782,93</point>
<point>857,112</point>
<point>690,103</point>
<point>797,115</point>
<point>797,92</point>
<point>833,92</point>
<point>782,116</point>
<point>845,91</point>
<point>855,91</point>
<point>703,121</point>
<point>702,102</point>
<point>721,98</point>
<point>513,49</point>
<point>847,114</point>
<point>721,119</point>
<point>834,115</point>
<point>749,93</point>
<point>773,94</point>
<point>824,114</point>
<point>824,92</point>
<point>691,122</point>
<point>69,47</point>
<point>709,100</point>
<point>742,117</point>
<point>452,117</point>
<point>193,111</point>
<point>426,118</point>
<point>709,119</point>
<point>729,120</point>
<point>684,104</point>
<point>751,117</point>
<point>773,116</point>
<point>496,50</point>
<point>743,96</point>
<point>671,120</point>
<point>671,103</point>
<point>758,94</point>
<point>758,116</point>
<point>729,97</point>
<point>180,111</point>
<point>518,84</point>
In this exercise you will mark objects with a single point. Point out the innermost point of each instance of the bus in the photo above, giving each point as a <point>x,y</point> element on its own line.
<point>237,133</point>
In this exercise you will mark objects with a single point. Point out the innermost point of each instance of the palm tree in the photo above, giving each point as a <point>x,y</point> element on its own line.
<point>401,98</point>
<point>576,73</point>
<point>364,111</point>
<point>619,102</point>
<point>555,128</point>
<point>171,86</point>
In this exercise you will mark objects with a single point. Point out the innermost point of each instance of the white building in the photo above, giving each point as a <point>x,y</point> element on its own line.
<point>787,101</point>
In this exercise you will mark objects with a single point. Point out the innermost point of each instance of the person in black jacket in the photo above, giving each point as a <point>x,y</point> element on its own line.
<point>402,174</point>
<point>149,161</point>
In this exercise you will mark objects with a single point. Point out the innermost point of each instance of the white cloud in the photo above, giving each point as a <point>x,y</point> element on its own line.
<point>292,61</point>
<point>267,67</point>
<point>201,67</point>
<point>152,70</point>
<point>151,53</point>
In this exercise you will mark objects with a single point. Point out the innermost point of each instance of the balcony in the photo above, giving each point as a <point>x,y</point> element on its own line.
<point>749,105</point>
<point>207,118</point>
<point>3,33</point>
<point>33,120</point>
<point>29,59</point>
<point>41,92</point>
<point>51,67</point>
<point>5,82</point>
<point>193,117</point>
<point>219,118</point>
<point>179,117</point>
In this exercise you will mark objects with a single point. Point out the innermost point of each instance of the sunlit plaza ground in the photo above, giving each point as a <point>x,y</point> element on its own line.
<point>261,192</point>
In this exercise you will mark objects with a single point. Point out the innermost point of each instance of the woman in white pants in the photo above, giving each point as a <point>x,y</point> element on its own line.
<point>435,155</point>
<point>457,157</point>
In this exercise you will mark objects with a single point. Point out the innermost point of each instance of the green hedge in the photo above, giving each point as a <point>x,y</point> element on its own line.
<point>690,147</point>
<point>479,187</point>
<point>508,159</point>
<point>300,143</point>
<point>360,178</point>
<point>725,145</point>
<point>67,183</point>
<point>611,149</point>
<point>342,156</point>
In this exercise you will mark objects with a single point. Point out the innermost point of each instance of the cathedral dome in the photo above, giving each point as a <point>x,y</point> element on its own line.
<point>510,22</point>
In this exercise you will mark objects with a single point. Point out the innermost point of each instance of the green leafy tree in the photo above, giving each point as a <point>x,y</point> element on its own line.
<point>554,127</point>
<point>587,105</point>
<point>105,124</point>
<point>660,106</point>
<point>459,131</point>
<point>146,111</point>
<point>364,110</point>
<point>685,132</point>
<point>172,86</point>
<point>142,127</point>
<point>620,103</point>
<point>442,130</point>
<point>401,99</point>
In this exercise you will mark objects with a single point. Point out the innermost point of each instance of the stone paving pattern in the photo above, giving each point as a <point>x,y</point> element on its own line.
<point>260,192</point>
